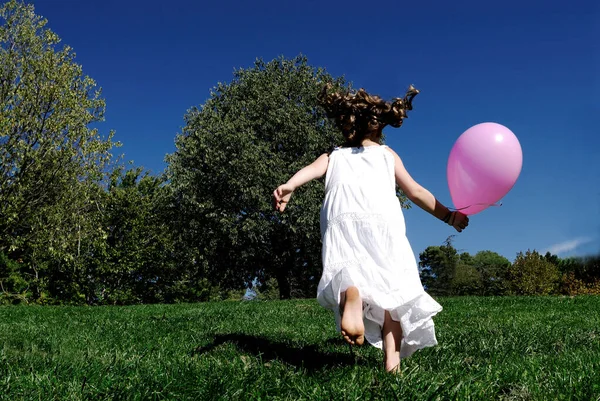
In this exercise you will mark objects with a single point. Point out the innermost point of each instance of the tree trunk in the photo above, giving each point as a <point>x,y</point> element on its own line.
<point>283,284</point>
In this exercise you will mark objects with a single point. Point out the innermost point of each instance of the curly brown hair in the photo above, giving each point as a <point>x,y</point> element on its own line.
<point>362,116</point>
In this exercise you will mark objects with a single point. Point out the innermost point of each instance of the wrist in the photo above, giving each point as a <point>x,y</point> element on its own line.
<point>440,211</point>
<point>290,184</point>
<point>449,218</point>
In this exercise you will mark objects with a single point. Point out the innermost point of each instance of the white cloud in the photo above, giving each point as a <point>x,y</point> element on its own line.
<point>567,246</point>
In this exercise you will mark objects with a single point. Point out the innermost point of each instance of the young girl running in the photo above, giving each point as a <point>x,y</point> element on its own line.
<point>370,278</point>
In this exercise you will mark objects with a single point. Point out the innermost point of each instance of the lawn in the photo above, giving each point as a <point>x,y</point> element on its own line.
<point>507,348</point>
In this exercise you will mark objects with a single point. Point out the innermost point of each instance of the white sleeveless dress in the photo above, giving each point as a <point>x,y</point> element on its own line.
<point>365,245</point>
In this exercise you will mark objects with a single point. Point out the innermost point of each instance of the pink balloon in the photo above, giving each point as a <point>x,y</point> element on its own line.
<point>483,166</point>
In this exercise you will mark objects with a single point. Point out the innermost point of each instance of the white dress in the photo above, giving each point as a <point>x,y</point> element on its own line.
<point>365,245</point>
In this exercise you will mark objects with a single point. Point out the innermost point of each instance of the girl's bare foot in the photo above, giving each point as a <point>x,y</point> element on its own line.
<point>392,363</point>
<point>353,328</point>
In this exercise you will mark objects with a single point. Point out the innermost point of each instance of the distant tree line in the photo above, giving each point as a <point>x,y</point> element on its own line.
<point>79,226</point>
<point>446,271</point>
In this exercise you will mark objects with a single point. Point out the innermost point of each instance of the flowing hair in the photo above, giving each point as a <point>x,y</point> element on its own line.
<point>362,116</point>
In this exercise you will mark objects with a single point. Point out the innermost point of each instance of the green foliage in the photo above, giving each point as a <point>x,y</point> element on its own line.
<point>554,259</point>
<point>268,291</point>
<point>532,274</point>
<point>583,268</point>
<point>12,285</point>
<point>467,279</point>
<point>490,348</point>
<point>250,136</point>
<point>580,275</point>
<point>75,230</point>
<point>51,161</point>
<point>493,269</point>
<point>446,272</point>
<point>438,267</point>
<point>571,285</point>
<point>138,264</point>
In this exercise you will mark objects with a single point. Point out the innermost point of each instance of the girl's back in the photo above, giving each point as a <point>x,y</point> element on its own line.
<point>360,185</point>
<point>369,166</point>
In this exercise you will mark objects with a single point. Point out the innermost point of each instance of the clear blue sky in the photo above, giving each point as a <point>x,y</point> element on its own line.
<point>529,65</point>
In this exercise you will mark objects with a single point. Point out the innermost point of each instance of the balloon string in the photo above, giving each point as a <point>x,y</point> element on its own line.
<point>475,204</point>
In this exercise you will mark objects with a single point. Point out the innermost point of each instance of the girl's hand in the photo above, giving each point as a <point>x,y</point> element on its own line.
<point>281,197</point>
<point>459,221</point>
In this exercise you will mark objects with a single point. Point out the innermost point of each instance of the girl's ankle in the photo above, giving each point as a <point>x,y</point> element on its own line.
<point>391,360</point>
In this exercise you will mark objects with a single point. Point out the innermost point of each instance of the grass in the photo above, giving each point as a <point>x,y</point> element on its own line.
<point>526,348</point>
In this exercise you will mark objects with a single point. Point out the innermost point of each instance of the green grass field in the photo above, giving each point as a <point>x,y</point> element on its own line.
<point>539,348</point>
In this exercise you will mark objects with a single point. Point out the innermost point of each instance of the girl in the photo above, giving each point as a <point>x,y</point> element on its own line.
<point>370,278</point>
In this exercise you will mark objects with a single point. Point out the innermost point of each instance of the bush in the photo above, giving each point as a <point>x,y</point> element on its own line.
<point>531,274</point>
<point>13,287</point>
<point>268,291</point>
<point>570,285</point>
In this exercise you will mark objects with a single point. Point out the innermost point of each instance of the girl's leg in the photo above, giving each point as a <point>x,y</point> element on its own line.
<point>392,338</point>
<point>353,328</point>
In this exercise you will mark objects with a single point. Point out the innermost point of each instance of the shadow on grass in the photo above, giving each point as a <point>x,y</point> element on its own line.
<point>308,357</point>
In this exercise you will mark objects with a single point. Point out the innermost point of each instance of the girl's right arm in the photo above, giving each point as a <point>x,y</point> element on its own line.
<point>425,199</point>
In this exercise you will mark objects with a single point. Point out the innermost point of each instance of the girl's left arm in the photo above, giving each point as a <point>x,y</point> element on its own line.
<point>316,169</point>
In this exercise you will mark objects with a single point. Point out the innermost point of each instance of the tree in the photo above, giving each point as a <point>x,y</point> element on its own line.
<point>445,271</point>
<point>493,269</point>
<point>251,135</point>
<point>580,275</point>
<point>138,264</point>
<point>467,279</point>
<point>51,161</point>
<point>554,259</point>
<point>585,268</point>
<point>532,274</point>
<point>13,288</point>
<point>438,267</point>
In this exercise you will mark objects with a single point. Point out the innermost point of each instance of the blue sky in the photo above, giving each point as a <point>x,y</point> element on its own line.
<point>529,65</point>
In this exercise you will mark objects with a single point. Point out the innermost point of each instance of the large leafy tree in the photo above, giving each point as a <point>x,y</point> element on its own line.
<point>493,269</point>
<point>251,135</point>
<point>51,160</point>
